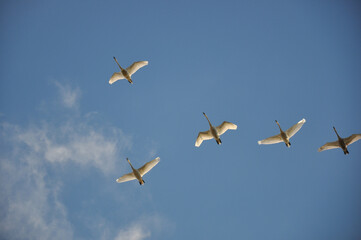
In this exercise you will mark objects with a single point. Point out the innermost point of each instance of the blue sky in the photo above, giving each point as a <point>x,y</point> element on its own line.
<point>65,132</point>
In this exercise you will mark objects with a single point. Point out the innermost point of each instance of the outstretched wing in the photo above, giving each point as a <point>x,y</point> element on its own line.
<point>115,77</point>
<point>135,66</point>
<point>203,136</point>
<point>329,145</point>
<point>225,126</point>
<point>271,140</point>
<point>126,178</point>
<point>149,165</point>
<point>295,128</point>
<point>351,139</point>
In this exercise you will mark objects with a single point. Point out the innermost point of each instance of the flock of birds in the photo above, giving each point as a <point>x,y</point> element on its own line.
<point>216,132</point>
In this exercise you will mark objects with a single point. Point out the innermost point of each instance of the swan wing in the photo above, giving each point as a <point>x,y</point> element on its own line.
<point>149,165</point>
<point>295,128</point>
<point>329,145</point>
<point>225,126</point>
<point>135,66</point>
<point>351,139</point>
<point>271,140</point>
<point>126,178</point>
<point>115,77</point>
<point>203,136</point>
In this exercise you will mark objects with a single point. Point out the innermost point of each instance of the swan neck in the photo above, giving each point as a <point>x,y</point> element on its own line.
<point>279,126</point>
<point>130,163</point>
<point>118,63</point>
<point>336,132</point>
<point>208,120</point>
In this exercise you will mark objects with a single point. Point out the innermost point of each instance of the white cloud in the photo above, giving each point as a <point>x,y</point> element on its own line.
<point>30,196</point>
<point>134,232</point>
<point>30,207</point>
<point>69,96</point>
<point>79,143</point>
<point>144,228</point>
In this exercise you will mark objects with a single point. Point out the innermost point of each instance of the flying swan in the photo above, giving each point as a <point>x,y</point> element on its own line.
<point>284,136</point>
<point>138,173</point>
<point>214,132</point>
<point>341,142</point>
<point>126,73</point>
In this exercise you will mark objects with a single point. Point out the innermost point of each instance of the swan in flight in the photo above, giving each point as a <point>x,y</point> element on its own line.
<point>284,136</point>
<point>214,132</point>
<point>138,173</point>
<point>341,142</point>
<point>126,73</point>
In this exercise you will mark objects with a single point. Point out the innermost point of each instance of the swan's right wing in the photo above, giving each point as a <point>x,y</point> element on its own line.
<point>351,139</point>
<point>329,145</point>
<point>225,126</point>
<point>126,178</point>
<point>149,165</point>
<point>115,77</point>
<point>295,128</point>
<point>271,140</point>
<point>135,67</point>
<point>203,136</point>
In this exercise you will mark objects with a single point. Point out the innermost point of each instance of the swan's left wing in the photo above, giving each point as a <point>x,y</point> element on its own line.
<point>135,66</point>
<point>225,126</point>
<point>149,165</point>
<point>203,136</point>
<point>126,178</point>
<point>271,140</point>
<point>115,77</point>
<point>295,128</point>
<point>351,139</point>
<point>329,145</point>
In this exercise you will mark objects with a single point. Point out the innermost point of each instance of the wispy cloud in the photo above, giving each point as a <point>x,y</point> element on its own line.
<point>134,232</point>
<point>143,228</point>
<point>30,207</point>
<point>69,96</point>
<point>79,143</point>
<point>30,195</point>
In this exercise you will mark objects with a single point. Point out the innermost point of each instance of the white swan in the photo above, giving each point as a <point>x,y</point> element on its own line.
<point>138,173</point>
<point>126,73</point>
<point>341,142</point>
<point>284,136</point>
<point>214,132</point>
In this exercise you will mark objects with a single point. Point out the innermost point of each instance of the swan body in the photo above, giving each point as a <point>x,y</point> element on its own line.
<point>128,72</point>
<point>138,173</point>
<point>341,142</point>
<point>214,132</point>
<point>284,136</point>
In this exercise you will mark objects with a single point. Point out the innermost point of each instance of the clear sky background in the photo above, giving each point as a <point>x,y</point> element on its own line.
<point>65,132</point>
